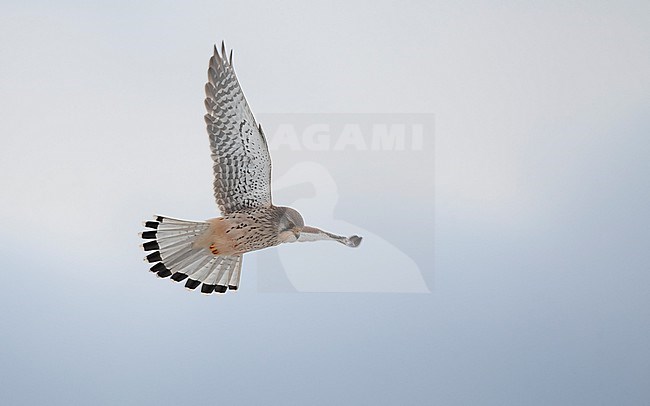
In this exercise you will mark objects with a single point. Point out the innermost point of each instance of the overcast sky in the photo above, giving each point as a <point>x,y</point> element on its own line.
<point>535,256</point>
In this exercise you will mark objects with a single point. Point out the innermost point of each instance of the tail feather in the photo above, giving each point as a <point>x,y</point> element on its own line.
<point>202,273</point>
<point>233,282</point>
<point>213,277</point>
<point>226,271</point>
<point>183,254</point>
<point>174,244</point>
<point>174,254</point>
<point>191,269</point>
<point>189,264</point>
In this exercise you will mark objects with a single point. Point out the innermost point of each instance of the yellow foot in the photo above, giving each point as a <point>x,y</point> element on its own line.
<point>213,249</point>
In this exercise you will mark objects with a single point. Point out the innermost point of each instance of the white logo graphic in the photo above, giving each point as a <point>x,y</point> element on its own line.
<point>352,174</point>
<point>376,266</point>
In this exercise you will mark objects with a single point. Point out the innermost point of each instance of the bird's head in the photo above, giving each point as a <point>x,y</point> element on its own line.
<point>290,225</point>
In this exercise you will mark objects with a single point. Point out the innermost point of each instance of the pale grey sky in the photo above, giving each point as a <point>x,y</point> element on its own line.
<point>536,255</point>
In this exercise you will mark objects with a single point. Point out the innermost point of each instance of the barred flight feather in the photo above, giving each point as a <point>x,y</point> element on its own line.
<point>175,255</point>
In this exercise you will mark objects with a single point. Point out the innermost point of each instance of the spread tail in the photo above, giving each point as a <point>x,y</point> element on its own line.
<point>174,254</point>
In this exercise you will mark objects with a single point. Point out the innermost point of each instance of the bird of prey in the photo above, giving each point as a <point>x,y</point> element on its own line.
<point>209,253</point>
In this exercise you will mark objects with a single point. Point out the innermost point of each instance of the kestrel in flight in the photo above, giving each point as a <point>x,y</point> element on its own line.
<point>209,253</point>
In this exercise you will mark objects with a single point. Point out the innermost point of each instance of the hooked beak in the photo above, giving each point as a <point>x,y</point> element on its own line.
<point>296,232</point>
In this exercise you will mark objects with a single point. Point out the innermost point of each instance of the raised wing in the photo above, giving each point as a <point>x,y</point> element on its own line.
<point>315,234</point>
<point>242,164</point>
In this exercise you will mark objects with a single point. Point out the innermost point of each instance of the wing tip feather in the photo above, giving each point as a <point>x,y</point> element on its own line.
<point>354,241</point>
